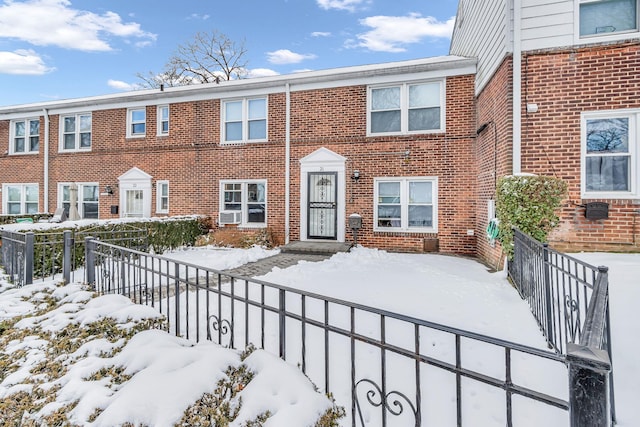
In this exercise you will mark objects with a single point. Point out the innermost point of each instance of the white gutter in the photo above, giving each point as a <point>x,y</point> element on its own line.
<point>517,87</point>
<point>287,164</point>
<point>46,160</point>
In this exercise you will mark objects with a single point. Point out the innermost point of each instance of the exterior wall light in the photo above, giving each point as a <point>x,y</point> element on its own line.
<point>356,175</point>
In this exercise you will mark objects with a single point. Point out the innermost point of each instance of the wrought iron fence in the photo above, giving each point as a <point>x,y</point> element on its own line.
<point>568,298</point>
<point>50,254</point>
<point>386,369</point>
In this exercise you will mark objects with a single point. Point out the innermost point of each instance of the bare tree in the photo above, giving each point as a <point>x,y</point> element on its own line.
<point>209,57</point>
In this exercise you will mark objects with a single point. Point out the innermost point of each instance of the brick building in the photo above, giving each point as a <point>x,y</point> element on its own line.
<point>298,154</point>
<point>557,94</point>
<point>414,147</point>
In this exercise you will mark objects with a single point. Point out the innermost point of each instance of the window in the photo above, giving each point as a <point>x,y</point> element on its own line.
<point>245,120</point>
<point>603,17</point>
<point>87,199</point>
<point>406,204</point>
<point>25,136</point>
<point>249,198</point>
<point>136,122</point>
<point>20,199</point>
<point>162,197</point>
<point>163,120</point>
<point>76,132</point>
<point>406,108</point>
<point>610,155</point>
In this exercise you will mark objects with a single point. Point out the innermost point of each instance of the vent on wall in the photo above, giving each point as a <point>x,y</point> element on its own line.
<point>596,210</point>
<point>229,217</point>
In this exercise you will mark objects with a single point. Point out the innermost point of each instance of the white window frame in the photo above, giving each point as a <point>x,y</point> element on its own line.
<point>634,154</point>
<point>159,196</point>
<point>603,37</point>
<point>245,120</point>
<point>81,200</point>
<point>404,204</point>
<point>23,193</point>
<point>160,109</point>
<point>77,133</point>
<point>404,107</point>
<point>131,123</point>
<point>245,200</point>
<point>27,136</point>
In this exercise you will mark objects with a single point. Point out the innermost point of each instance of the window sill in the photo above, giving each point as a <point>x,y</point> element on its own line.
<point>608,196</point>
<point>257,141</point>
<point>76,150</point>
<point>412,133</point>
<point>27,153</point>
<point>136,136</point>
<point>406,231</point>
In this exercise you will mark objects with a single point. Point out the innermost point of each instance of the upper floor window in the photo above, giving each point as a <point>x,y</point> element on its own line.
<point>406,108</point>
<point>243,202</point>
<point>136,122</point>
<point>244,120</point>
<point>162,197</point>
<point>602,17</point>
<point>86,199</point>
<point>20,199</point>
<point>406,204</point>
<point>76,132</point>
<point>163,120</point>
<point>25,136</point>
<point>610,155</point>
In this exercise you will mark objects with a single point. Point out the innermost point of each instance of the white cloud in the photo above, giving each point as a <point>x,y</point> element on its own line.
<point>320,34</point>
<point>199,17</point>
<point>392,33</point>
<point>261,72</point>
<point>24,62</point>
<point>285,56</point>
<point>56,23</point>
<point>124,86</point>
<point>349,5</point>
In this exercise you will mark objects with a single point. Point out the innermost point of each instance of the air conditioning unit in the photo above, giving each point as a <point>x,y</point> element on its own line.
<point>229,217</point>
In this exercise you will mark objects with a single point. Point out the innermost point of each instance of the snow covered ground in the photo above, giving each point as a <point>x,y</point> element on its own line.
<point>448,290</point>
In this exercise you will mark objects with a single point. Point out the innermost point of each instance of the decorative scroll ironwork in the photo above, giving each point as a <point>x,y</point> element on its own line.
<point>572,321</point>
<point>391,402</point>
<point>222,326</point>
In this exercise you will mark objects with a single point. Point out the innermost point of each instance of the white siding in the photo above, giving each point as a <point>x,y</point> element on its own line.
<point>547,24</point>
<point>481,33</point>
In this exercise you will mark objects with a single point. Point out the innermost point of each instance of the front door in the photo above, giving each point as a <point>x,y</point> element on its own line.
<point>322,213</point>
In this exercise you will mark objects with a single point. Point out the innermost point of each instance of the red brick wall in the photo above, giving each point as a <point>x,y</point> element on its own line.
<point>494,151</point>
<point>193,161</point>
<point>565,83</point>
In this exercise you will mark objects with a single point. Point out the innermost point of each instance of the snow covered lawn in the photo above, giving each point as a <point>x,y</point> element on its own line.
<point>163,375</point>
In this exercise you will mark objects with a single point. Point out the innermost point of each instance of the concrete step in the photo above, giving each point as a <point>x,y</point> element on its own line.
<point>317,248</point>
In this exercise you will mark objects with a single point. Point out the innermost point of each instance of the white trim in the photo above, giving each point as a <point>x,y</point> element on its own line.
<point>634,154</point>
<point>323,160</point>
<point>135,179</point>
<point>77,133</point>
<point>5,196</point>
<point>159,120</point>
<point>244,200</point>
<point>27,143</point>
<point>245,120</point>
<point>80,193</point>
<point>604,37</point>
<point>404,204</point>
<point>130,123</point>
<point>159,184</point>
<point>404,107</point>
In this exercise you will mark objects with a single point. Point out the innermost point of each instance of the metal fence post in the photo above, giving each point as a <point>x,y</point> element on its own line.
<point>547,292</point>
<point>28,257</point>
<point>282,323</point>
<point>67,251</point>
<point>177,298</point>
<point>588,386</point>
<point>90,261</point>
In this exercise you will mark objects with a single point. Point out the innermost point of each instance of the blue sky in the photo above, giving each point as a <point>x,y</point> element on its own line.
<point>58,49</point>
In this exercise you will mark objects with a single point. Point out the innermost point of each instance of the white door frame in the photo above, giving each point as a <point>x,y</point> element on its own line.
<point>323,160</point>
<point>135,179</point>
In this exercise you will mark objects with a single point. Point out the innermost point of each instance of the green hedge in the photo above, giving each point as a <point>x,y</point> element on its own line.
<point>156,236</point>
<point>528,203</point>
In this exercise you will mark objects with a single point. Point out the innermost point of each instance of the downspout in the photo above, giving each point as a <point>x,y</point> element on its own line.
<point>517,87</point>
<point>287,163</point>
<point>46,161</point>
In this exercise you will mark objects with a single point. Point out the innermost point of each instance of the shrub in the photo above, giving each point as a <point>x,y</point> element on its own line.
<point>528,203</point>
